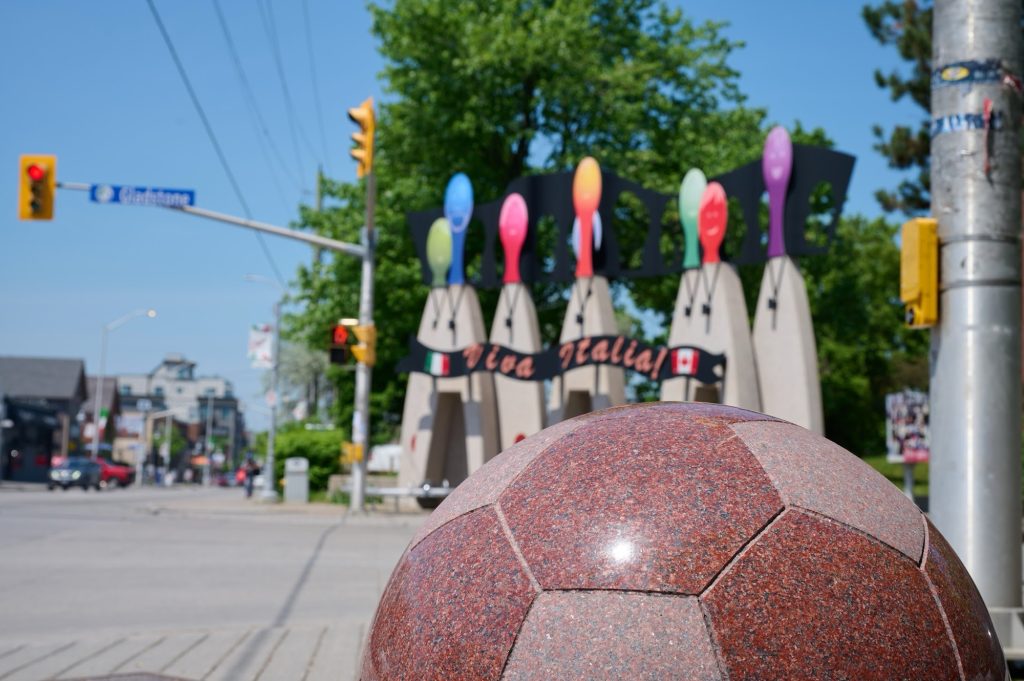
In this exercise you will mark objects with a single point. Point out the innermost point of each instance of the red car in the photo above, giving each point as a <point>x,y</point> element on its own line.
<point>115,474</point>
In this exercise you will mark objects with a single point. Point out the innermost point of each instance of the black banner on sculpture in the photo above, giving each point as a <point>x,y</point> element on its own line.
<point>656,362</point>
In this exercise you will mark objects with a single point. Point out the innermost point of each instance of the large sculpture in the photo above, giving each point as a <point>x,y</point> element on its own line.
<point>679,541</point>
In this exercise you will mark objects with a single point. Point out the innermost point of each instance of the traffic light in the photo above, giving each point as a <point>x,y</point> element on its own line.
<point>919,272</point>
<point>363,116</point>
<point>365,351</point>
<point>36,187</point>
<point>339,346</point>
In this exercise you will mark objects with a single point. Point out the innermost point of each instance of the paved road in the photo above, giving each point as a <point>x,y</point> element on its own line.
<point>190,583</point>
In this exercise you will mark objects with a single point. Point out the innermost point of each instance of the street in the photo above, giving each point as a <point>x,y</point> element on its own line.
<point>188,583</point>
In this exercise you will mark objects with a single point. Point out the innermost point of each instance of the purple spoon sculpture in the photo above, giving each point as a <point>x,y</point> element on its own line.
<point>512,225</point>
<point>777,165</point>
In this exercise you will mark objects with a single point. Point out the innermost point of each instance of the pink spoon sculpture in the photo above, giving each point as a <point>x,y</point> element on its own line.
<point>711,221</point>
<point>512,226</point>
<point>777,165</point>
<point>586,195</point>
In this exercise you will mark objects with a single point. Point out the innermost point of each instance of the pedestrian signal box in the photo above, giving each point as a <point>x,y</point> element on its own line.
<point>339,345</point>
<point>919,272</point>
<point>37,185</point>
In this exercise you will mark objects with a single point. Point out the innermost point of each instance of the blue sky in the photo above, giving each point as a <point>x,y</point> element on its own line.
<point>94,84</point>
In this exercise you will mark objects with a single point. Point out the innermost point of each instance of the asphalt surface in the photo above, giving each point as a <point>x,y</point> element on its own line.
<point>189,583</point>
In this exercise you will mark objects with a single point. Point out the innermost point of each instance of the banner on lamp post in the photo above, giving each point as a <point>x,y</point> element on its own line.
<point>261,347</point>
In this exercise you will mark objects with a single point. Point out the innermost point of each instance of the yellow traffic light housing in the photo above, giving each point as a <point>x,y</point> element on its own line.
<point>37,185</point>
<point>363,116</point>
<point>351,453</point>
<point>365,351</point>
<point>919,272</point>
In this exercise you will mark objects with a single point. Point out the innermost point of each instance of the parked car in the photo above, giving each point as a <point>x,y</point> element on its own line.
<point>115,474</point>
<point>76,471</point>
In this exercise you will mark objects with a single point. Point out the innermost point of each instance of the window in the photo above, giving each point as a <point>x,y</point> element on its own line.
<point>158,391</point>
<point>179,390</point>
<point>126,389</point>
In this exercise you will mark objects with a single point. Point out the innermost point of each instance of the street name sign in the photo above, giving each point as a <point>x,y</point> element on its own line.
<point>142,196</point>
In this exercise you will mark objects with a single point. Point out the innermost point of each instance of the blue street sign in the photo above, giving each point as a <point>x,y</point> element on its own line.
<point>142,196</point>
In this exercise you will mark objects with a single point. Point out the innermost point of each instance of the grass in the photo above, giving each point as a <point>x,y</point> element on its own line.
<point>894,472</point>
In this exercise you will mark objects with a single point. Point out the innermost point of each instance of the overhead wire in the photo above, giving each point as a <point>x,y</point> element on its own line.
<point>263,135</point>
<point>316,84</point>
<point>211,135</point>
<point>270,27</point>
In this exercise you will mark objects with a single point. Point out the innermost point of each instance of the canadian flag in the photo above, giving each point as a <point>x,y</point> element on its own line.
<point>437,364</point>
<point>684,361</point>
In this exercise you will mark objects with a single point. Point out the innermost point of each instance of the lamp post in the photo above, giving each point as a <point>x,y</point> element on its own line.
<point>150,427</point>
<point>269,492</point>
<point>97,405</point>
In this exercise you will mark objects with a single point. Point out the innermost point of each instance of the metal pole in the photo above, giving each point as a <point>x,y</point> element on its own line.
<point>975,388</point>
<point>269,492</point>
<point>96,407</point>
<point>207,450</point>
<point>361,416</point>
<point>169,439</point>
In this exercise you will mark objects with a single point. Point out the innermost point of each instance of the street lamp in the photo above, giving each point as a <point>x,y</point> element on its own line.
<point>97,405</point>
<point>269,492</point>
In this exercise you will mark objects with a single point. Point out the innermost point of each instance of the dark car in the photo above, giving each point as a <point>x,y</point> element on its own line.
<point>76,472</point>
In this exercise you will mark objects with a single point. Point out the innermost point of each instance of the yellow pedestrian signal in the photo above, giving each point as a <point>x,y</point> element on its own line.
<point>919,272</point>
<point>37,185</point>
<point>351,453</point>
<point>363,116</point>
<point>365,351</point>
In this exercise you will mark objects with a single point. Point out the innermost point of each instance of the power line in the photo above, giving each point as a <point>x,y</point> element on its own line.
<point>262,130</point>
<point>316,86</point>
<point>209,133</point>
<point>270,27</point>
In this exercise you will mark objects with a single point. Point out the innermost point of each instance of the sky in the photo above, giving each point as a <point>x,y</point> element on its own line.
<point>95,84</point>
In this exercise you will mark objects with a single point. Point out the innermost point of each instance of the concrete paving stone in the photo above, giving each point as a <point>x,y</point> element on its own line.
<point>293,658</point>
<point>339,654</point>
<point>106,660</point>
<point>250,657</point>
<point>57,663</point>
<point>201,660</point>
<point>29,655</point>
<point>162,655</point>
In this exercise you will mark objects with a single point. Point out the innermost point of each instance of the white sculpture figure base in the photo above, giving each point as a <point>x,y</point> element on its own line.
<point>784,348</point>
<point>520,403</point>
<point>449,425</point>
<point>717,323</point>
<point>588,388</point>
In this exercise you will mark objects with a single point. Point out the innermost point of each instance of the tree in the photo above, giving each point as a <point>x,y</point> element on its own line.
<point>504,88</point>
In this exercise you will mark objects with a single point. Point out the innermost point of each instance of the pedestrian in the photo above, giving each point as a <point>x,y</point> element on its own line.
<point>251,471</point>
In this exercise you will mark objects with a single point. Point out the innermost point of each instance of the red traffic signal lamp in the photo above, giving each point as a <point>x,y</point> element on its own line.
<point>339,345</point>
<point>37,184</point>
<point>364,117</point>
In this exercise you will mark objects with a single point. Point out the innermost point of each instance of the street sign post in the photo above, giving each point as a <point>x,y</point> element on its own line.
<point>141,196</point>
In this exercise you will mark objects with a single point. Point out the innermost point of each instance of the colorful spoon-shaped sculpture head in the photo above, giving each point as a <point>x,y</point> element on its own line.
<point>458,208</point>
<point>512,226</point>
<point>690,193</point>
<point>439,251</point>
<point>714,214</point>
<point>777,165</point>
<point>586,195</point>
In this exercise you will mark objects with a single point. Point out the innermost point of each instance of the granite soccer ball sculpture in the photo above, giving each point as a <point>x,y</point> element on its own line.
<point>679,541</point>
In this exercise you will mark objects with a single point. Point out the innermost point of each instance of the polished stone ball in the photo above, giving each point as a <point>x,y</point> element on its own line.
<point>679,541</point>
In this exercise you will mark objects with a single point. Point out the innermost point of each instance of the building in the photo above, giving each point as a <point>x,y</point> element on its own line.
<point>174,387</point>
<point>54,386</point>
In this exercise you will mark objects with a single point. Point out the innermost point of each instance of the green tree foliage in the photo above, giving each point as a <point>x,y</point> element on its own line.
<point>321,447</point>
<point>501,89</point>
<point>907,26</point>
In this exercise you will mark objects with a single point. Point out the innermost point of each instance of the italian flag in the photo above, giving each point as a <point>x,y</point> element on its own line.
<point>684,361</point>
<point>437,364</point>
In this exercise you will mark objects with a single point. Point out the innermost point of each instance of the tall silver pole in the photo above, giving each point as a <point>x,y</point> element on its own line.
<point>361,416</point>
<point>97,405</point>
<point>269,492</point>
<point>169,440</point>
<point>208,449</point>
<point>975,387</point>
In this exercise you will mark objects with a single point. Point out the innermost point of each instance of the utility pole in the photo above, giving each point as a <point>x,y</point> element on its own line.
<point>208,448</point>
<point>976,347</point>
<point>269,492</point>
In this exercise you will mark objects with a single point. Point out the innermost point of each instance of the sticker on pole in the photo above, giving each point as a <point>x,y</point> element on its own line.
<point>142,196</point>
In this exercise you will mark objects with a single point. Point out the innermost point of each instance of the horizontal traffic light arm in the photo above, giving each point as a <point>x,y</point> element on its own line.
<point>313,239</point>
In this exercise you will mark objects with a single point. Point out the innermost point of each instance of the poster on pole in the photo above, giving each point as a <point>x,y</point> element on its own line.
<point>261,347</point>
<point>906,427</point>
